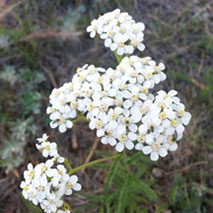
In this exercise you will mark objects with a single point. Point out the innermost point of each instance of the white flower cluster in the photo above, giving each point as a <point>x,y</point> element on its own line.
<point>119,31</point>
<point>48,182</point>
<point>120,107</point>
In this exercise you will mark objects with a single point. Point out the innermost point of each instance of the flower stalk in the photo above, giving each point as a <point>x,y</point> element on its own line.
<point>94,162</point>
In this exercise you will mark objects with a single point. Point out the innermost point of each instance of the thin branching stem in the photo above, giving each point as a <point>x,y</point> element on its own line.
<point>94,162</point>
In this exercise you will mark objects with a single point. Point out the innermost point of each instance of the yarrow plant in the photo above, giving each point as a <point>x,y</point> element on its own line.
<point>48,182</point>
<point>117,102</point>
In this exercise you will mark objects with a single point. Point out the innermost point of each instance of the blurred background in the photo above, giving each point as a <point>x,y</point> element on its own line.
<point>43,42</point>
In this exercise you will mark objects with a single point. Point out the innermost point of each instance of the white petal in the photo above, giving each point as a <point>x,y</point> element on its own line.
<point>73,179</point>
<point>107,42</point>
<point>180,129</point>
<point>69,124</point>
<point>147,150</point>
<point>149,138</point>
<point>119,147</point>
<point>139,146</point>
<point>162,152</point>
<point>173,147</point>
<point>133,127</point>
<point>154,156</point>
<point>100,132</point>
<point>104,140</point>
<point>141,47</point>
<point>112,141</point>
<point>132,136</point>
<point>143,129</point>
<point>172,92</point>
<point>62,128</point>
<point>186,118</point>
<point>77,187</point>
<point>129,145</point>
<point>92,34</point>
<point>127,104</point>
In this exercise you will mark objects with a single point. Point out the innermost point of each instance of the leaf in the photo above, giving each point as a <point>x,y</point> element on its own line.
<point>32,208</point>
<point>121,200</point>
<point>145,189</point>
<point>108,208</point>
<point>111,174</point>
<point>172,195</point>
<point>162,207</point>
<point>134,158</point>
<point>101,210</point>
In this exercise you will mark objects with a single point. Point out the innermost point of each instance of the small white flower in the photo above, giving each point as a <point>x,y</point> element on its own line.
<point>29,174</point>
<point>124,141</point>
<point>155,149</point>
<point>92,29</point>
<point>71,183</point>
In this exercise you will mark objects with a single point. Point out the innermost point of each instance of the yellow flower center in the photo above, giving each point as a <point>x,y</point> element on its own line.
<point>123,87</point>
<point>171,140</point>
<point>134,98</point>
<point>157,68</point>
<point>144,60</point>
<point>120,43</point>
<point>173,122</point>
<point>148,75</point>
<point>135,30</point>
<point>31,174</point>
<point>144,90</point>
<point>181,112</point>
<point>161,104</point>
<point>134,74</point>
<point>156,146</point>
<point>111,34</point>
<point>103,107</point>
<point>122,30</point>
<point>144,109</point>
<point>52,109</point>
<point>61,120</point>
<point>114,115</point>
<point>126,121</point>
<point>162,115</point>
<point>25,188</point>
<point>108,132</point>
<point>68,185</point>
<point>99,80</point>
<point>91,107</point>
<point>166,96</point>
<point>140,138</point>
<point>47,147</point>
<point>73,105</point>
<point>123,138</point>
<point>63,101</point>
<point>135,43</point>
<point>118,102</point>
<point>98,124</point>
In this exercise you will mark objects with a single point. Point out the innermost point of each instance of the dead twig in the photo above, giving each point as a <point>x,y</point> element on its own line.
<point>198,84</point>
<point>74,137</point>
<point>50,34</point>
<point>52,78</point>
<point>186,168</point>
<point>4,12</point>
<point>94,146</point>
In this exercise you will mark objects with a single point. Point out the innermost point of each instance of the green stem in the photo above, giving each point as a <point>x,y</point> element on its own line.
<point>80,117</point>
<point>118,57</point>
<point>94,162</point>
<point>67,163</point>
